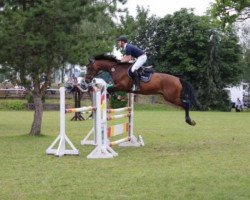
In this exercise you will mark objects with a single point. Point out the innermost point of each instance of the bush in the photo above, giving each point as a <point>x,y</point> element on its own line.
<point>118,100</point>
<point>30,99</point>
<point>13,105</point>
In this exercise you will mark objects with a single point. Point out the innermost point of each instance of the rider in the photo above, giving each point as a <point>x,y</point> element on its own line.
<point>131,52</point>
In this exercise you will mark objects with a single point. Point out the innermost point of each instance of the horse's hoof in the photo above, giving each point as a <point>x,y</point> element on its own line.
<point>191,122</point>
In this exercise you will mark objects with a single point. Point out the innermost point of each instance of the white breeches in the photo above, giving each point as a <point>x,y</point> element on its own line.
<point>139,62</point>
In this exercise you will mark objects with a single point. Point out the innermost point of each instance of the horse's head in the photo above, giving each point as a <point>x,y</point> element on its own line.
<point>101,62</point>
<point>92,70</point>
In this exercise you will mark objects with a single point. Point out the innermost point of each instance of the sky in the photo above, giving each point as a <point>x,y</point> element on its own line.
<point>162,7</point>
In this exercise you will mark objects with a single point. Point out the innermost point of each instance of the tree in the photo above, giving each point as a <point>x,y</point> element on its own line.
<point>229,11</point>
<point>141,30</point>
<point>243,31</point>
<point>236,12</point>
<point>200,53</point>
<point>224,68</point>
<point>39,36</point>
<point>193,48</point>
<point>246,73</point>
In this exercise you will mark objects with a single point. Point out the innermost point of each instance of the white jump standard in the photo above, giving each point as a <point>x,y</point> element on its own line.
<point>62,138</point>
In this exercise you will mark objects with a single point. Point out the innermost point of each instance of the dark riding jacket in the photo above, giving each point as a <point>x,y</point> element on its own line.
<point>134,51</point>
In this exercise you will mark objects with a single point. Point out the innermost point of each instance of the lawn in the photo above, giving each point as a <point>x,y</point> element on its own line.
<point>209,161</point>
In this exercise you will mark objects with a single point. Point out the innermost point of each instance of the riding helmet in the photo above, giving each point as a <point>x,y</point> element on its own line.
<point>123,38</point>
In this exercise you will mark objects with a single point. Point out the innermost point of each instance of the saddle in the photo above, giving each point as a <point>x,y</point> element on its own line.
<point>144,72</point>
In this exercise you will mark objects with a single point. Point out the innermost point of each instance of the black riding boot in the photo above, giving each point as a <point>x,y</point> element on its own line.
<point>136,79</point>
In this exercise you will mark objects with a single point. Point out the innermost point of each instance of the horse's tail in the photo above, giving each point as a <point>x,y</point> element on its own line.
<point>188,95</point>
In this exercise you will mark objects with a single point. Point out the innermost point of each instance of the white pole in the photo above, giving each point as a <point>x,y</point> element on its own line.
<point>62,111</point>
<point>98,114</point>
<point>131,117</point>
<point>61,148</point>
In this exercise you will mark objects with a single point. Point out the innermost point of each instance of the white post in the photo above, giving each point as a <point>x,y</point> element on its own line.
<point>62,138</point>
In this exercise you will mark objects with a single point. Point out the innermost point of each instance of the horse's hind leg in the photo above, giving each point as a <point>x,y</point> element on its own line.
<point>188,120</point>
<point>184,104</point>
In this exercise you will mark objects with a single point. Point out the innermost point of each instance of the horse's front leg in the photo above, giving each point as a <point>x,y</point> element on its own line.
<point>120,86</point>
<point>111,93</point>
<point>111,89</point>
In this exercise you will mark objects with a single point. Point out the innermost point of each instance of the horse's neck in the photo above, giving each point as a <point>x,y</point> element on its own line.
<point>107,66</point>
<point>120,72</point>
<point>116,70</point>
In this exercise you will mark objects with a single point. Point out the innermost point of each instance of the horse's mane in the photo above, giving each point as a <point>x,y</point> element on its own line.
<point>106,57</point>
<point>113,59</point>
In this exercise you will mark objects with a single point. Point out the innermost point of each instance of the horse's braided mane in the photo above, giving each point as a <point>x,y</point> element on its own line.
<point>106,57</point>
<point>113,59</point>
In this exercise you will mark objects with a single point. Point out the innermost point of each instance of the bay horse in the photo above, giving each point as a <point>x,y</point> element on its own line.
<point>173,89</point>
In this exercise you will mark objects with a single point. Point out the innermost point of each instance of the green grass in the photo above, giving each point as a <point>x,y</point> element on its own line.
<point>209,161</point>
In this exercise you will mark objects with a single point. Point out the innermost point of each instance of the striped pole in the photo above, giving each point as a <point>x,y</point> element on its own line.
<point>111,117</point>
<point>82,109</point>
<point>119,110</point>
<point>117,142</point>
